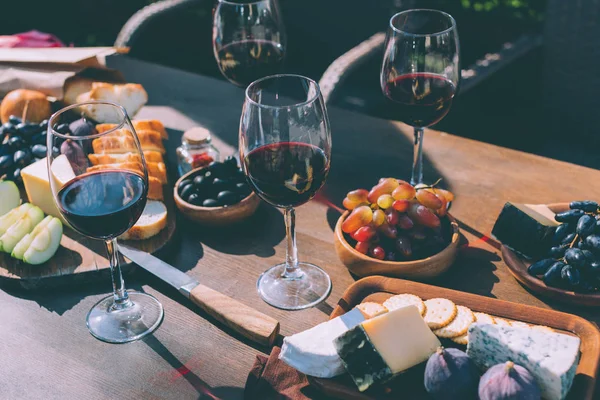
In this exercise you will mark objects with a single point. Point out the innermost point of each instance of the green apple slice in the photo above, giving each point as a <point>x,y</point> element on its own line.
<point>45,243</point>
<point>24,243</point>
<point>13,216</point>
<point>20,228</point>
<point>10,198</point>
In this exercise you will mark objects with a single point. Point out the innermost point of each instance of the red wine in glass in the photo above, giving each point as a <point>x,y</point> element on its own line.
<point>287,174</point>
<point>103,204</point>
<point>245,61</point>
<point>424,98</point>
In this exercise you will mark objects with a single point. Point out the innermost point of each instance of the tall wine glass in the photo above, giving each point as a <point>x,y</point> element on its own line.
<point>285,148</point>
<point>102,201</point>
<point>248,39</point>
<point>421,71</point>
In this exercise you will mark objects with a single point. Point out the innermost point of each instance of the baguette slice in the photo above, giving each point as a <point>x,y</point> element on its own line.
<point>156,170</point>
<point>152,221</point>
<point>124,143</point>
<point>150,156</point>
<point>131,96</point>
<point>139,124</point>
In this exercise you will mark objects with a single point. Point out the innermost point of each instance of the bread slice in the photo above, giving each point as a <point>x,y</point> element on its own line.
<point>156,170</point>
<point>131,96</point>
<point>75,86</point>
<point>121,142</point>
<point>152,221</point>
<point>155,189</point>
<point>139,124</point>
<point>150,156</point>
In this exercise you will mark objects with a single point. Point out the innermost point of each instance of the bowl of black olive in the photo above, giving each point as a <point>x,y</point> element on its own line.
<point>215,195</point>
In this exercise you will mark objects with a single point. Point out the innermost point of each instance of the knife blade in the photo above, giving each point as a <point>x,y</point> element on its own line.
<point>245,320</point>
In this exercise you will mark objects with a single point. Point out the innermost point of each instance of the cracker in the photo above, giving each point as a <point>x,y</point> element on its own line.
<point>403,300</point>
<point>459,325</point>
<point>439,312</point>
<point>542,328</point>
<point>484,318</point>
<point>371,309</point>
<point>501,321</point>
<point>462,339</point>
<point>519,324</point>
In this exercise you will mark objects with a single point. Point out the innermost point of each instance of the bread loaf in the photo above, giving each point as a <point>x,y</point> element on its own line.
<point>119,142</point>
<point>130,96</point>
<point>146,125</point>
<point>155,170</point>
<point>150,156</point>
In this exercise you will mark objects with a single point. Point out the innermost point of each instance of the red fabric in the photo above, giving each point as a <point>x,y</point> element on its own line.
<point>31,39</point>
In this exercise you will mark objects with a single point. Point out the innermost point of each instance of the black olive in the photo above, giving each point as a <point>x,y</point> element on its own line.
<point>200,181</point>
<point>243,188</point>
<point>221,184</point>
<point>39,151</point>
<point>182,184</point>
<point>186,191</point>
<point>211,203</point>
<point>227,197</point>
<point>194,199</point>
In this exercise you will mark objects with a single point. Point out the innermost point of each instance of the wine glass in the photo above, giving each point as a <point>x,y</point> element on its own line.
<point>103,200</point>
<point>421,71</point>
<point>248,39</point>
<point>285,151</point>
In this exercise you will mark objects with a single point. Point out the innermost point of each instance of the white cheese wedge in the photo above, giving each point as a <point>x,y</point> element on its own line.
<point>312,352</point>
<point>37,183</point>
<point>550,357</point>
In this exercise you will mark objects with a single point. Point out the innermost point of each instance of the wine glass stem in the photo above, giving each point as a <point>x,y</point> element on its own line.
<point>417,170</point>
<point>292,271</point>
<point>119,293</point>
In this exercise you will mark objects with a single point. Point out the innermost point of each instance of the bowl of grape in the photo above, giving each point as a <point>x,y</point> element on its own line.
<point>215,195</point>
<point>398,230</point>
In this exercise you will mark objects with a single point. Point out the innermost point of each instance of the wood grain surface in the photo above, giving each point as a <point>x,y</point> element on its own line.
<point>81,259</point>
<point>48,353</point>
<point>378,289</point>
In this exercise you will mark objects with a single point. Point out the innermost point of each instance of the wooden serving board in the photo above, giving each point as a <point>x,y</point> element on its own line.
<point>518,265</point>
<point>79,258</point>
<point>410,384</point>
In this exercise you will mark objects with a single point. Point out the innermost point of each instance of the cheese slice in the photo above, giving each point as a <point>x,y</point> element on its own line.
<point>312,351</point>
<point>550,357</point>
<point>37,183</point>
<point>381,347</point>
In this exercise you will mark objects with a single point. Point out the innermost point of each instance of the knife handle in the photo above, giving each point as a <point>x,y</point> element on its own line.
<point>245,320</point>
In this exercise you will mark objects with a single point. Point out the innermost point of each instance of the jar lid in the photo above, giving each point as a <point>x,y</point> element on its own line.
<point>197,135</point>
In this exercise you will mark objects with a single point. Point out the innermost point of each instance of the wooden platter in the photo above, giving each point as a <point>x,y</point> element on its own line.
<point>517,265</point>
<point>378,289</point>
<point>79,258</point>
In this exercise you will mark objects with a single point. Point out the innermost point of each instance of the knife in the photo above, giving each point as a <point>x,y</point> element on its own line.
<point>245,320</point>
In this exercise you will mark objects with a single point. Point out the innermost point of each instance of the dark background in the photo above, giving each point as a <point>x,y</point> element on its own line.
<point>510,108</point>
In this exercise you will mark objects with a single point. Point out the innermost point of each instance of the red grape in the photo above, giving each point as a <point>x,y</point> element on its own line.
<point>404,222</point>
<point>362,247</point>
<point>392,217</point>
<point>364,234</point>
<point>401,205</point>
<point>428,199</point>
<point>404,192</point>
<point>378,252</point>
<point>388,230</point>
<point>386,186</point>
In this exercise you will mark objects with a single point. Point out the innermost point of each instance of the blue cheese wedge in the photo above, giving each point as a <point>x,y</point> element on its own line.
<point>550,357</point>
<point>384,346</point>
<point>312,352</point>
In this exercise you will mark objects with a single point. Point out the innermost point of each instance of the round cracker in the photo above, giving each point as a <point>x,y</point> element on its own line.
<point>403,300</point>
<point>501,321</point>
<point>439,312</point>
<point>371,309</point>
<point>462,339</point>
<point>484,318</point>
<point>459,325</point>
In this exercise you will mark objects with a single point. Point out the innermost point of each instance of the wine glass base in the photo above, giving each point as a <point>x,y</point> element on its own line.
<point>311,287</point>
<point>141,318</point>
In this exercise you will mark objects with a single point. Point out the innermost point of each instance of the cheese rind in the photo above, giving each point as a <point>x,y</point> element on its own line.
<point>386,345</point>
<point>312,351</point>
<point>550,357</point>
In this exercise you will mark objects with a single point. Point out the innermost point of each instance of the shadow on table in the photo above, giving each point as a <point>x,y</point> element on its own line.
<point>182,370</point>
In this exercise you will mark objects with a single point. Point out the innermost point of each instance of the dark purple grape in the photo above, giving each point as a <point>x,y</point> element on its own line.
<point>403,245</point>
<point>561,232</point>
<point>16,143</point>
<point>582,245</point>
<point>569,216</point>
<point>557,251</point>
<point>589,256</point>
<point>63,129</point>
<point>569,238</point>
<point>16,175</point>
<point>593,242</point>
<point>597,229</point>
<point>22,157</point>
<point>575,257</point>
<point>570,275</point>
<point>540,267</point>
<point>9,128</point>
<point>586,205</point>
<point>390,256</point>
<point>586,225</point>
<point>13,119</point>
<point>27,130</point>
<point>552,276</point>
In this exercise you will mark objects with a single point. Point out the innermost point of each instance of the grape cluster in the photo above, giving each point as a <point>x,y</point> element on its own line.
<point>574,260</point>
<point>396,221</point>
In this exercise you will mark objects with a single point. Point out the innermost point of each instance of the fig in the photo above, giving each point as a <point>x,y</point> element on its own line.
<point>75,155</point>
<point>450,374</point>
<point>508,381</point>
<point>82,127</point>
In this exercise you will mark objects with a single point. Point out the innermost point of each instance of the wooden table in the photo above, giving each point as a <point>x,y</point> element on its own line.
<point>47,352</point>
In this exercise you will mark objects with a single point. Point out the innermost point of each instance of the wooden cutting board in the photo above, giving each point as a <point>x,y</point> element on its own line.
<point>378,289</point>
<point>81,259</point>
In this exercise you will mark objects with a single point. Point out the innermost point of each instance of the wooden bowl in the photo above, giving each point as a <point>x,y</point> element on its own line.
<point>517,265</point>
<point>215,216</point>
<point>426,268</point>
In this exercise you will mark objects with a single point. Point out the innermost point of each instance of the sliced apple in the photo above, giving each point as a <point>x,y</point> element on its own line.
<point>24,243</point>
<point>10,198</point>
<point>20,228</point>
<point>44,243</point>
<point>13,216</point>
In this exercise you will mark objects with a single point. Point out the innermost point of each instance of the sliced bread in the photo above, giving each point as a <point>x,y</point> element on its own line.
<point>152,221</point>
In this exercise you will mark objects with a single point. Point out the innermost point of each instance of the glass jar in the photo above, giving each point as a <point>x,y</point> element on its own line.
<point>196,150</point>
